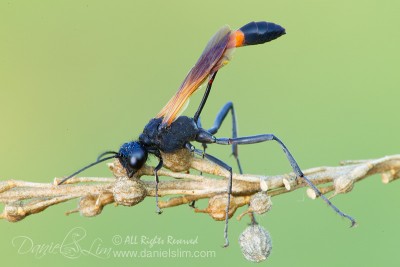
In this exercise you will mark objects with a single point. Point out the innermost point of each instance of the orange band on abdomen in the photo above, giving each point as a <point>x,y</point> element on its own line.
<point>239,38</point>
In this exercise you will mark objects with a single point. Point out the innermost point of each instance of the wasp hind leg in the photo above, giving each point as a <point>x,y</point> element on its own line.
<point>219,119</point>
<point>270,137</point>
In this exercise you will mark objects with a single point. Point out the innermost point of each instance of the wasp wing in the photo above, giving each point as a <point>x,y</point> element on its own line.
<point>215,55</point>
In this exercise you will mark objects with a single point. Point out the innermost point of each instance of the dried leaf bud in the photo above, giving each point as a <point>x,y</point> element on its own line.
<point>217,207</point>
<point>343,185</point>
<point>255,243</point>
<point>13,212</point>
<point>128,192</point>
<point>260,203</point>
<point>117,169</point>
<point>93,205</point>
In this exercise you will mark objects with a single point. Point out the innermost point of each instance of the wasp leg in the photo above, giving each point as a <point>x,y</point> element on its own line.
<point>270,137</point>
<point>217,124</point>
<point>204,145</point>
<point>205,96</point>
<point>228,168</point>
<point>156,169</point>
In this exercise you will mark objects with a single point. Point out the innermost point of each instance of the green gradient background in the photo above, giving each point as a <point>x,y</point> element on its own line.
<point>80,77</point>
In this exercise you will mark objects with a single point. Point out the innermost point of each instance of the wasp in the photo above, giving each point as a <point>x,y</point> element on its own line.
<point>169,132</point>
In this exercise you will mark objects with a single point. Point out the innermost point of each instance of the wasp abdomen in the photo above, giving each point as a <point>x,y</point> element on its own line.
<point>260,32</point>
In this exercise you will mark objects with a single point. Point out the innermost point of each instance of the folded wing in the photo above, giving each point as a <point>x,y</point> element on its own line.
<point>215,55</point>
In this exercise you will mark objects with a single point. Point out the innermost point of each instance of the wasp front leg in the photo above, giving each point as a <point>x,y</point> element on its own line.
<point>156,169</point>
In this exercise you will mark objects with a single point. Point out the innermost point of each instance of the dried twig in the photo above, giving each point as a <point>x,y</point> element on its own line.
<point>25,198</point>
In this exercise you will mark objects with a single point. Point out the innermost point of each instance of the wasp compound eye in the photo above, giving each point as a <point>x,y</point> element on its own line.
<point>137,159</point>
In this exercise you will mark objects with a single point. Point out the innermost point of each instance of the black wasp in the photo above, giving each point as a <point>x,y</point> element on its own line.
<point>169,132</point>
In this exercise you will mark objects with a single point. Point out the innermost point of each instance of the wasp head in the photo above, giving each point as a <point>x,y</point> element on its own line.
<point>132,156</point>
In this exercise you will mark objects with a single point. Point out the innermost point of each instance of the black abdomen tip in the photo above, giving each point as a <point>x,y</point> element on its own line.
<point>261,32</point>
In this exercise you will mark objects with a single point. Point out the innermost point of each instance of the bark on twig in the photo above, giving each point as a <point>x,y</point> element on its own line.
<point>25,198</point>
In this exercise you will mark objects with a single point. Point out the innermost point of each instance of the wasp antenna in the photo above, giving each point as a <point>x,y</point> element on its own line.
<point>86,167</point>
<point>106,153</point>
